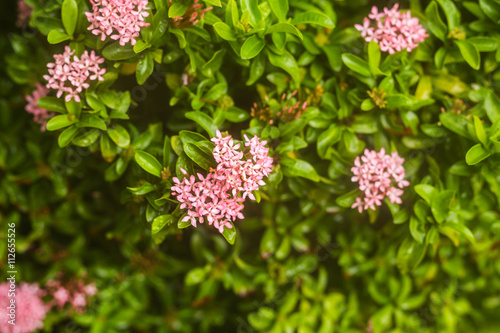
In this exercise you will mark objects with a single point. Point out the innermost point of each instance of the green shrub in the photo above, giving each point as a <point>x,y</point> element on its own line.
<point>91,197</point>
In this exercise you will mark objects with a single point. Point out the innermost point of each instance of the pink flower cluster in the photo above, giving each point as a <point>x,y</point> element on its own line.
<point>23,13</point>
<point>193,15</point>
<point>379,175</point>
<point>75,293</point>
<point>393,30</point>
<point>30,311</point>
<point>70,74</point>
<point>122,19</point>
<point>39,115</point>
<point>216,197</point>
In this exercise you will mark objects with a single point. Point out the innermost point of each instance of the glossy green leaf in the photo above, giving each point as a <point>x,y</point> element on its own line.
<point>57,36</point>
<point>229,234</point>
<point>60,121</point>
<point>332,135</point>
<point>160,222</point>
<point>476,154</point>
<point>440,205</point>
<point>204,120</point>
<point>434,21</point>
<point>148,162</point>
<point>224,31</point>
<point>67,135</point>
<point>252,47</point>
<point>409,255</point>
<point>284,27</point>
<point>298,168</point>
<point>286,62</point>
<point>120,136</point>
<point>470,53</point>
<point>356,64</point>
<point>314,18</point>
<point>92,121</point>
<point>279,8</point>
<point>69,15</point>
<point>51,104</point>
<point>426,192</point>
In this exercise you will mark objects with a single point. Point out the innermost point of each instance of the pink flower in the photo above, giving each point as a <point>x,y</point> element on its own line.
<point>216,198</point>
<point>70,74</point>
<point>393,30</point>
<point>30,311</point>
<point>23,13</point>
<point>120,19</point>
<point>193,15</point>
<point>379,175</point>
<point>73,292</point>
<point>39,115</point>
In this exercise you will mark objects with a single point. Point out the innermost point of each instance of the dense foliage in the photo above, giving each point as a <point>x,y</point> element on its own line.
<point>88,185</point>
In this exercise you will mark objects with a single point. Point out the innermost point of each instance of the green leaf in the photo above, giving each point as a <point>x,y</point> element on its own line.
<point>224,31</point>
<point>434,21</point>
<point>451,12</point>
<point>117,52</point>
<point>236,115</point>
<point>279,8</point>
<point>196,275</point>
<point>440,205</point>
<point>51,104</point>
<point>167,152</point>
<point>74,108</point>
<point>108,148</point>
<point>461,229</point>
<point>148,162</point>
<point>69,15</point>
<point>470,53</point>
<point>348,199</point>
<point>160,222</point>
<point>229,234</point>
<point>67,135</point>
<point>491,106</point>
<point>491,8</point>
<point>456,123</point>
<point>292,128</point>
<point>313,18</point>
<point>382,319</point>
<point>120,136</point>
<point>145,68</point>
<point>328,138</point>
<point>257,68</point>
<point>417,229</point>
<point>141,46</point>
<point>298,168</point>
<point>143,189</point>
<point>86,138</point>
<point>252,47</point>
<point>356,64</point>
<point>484,44</point>
<point>476,154</point>
<point>183,224</point>
<point>204,120</point>
<point>204,160</point>
<point>284,27</point>
<point>88,120</point>
<point>286,62</point>
<point>56,36</point>
<point>60,121</point>
<point>480,132</point>
<point>254,11</point>
<point>374,56</point>
<point>409,255</point>
<point>427,192</point>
